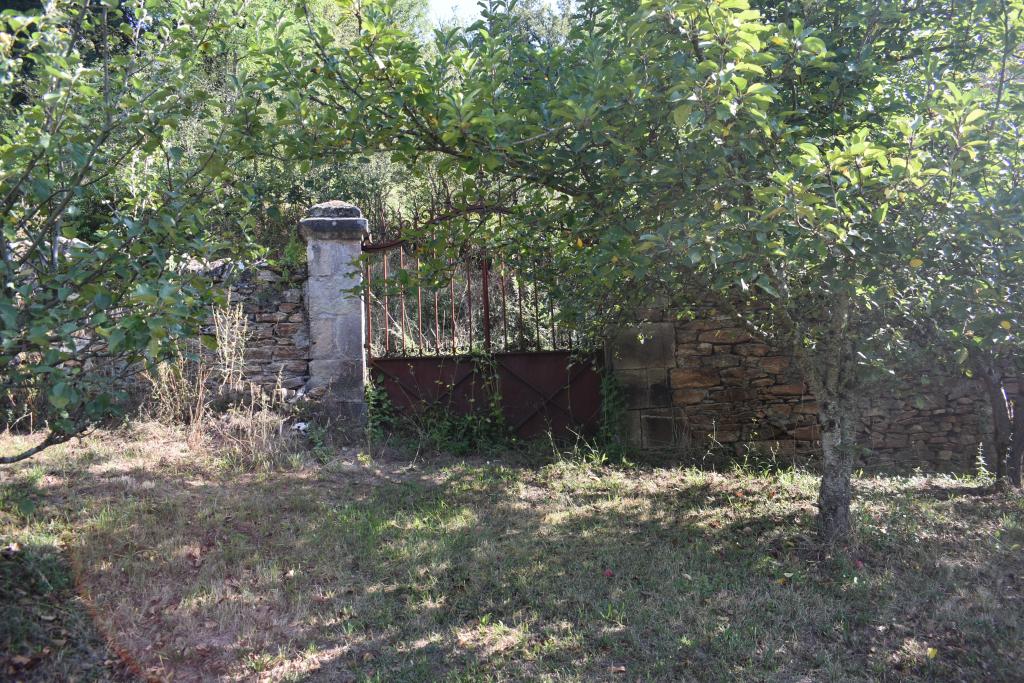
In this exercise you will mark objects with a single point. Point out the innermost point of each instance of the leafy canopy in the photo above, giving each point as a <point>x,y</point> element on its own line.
<point>792,163</point>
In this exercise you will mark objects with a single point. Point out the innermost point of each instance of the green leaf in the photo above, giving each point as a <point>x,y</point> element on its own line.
<point>681,114</point>
<point>765,284</point>
<point>815,44</point>
<point>974,115</point>
<point>879,213</point>
<point>750,68</point>
<point>760,89</point>
<point>60,395</point>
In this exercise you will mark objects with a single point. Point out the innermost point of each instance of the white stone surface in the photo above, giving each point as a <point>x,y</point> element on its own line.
<point>337,326</point>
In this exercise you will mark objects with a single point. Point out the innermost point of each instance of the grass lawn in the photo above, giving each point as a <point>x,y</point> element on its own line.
<point>386,569</point>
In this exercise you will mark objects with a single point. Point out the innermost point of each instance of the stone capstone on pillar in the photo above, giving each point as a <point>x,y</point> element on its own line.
<point>333,232</point>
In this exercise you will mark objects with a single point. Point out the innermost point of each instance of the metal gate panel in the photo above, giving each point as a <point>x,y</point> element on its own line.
<point>487,330</point>
<point>539,392</point>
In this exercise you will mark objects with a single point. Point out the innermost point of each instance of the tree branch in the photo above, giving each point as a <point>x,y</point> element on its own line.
<point>52,439</point>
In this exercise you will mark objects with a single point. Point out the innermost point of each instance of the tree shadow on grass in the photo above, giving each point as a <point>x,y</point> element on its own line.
<point>46,633</point>
<point>479,571</point>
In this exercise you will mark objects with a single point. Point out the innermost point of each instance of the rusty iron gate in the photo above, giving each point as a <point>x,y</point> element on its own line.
<point>475,335</point>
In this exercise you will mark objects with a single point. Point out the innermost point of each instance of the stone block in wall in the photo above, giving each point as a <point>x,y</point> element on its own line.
<point>261,332</point>
<point>265,275</point>
<point>694,378</point>
<point>634,432</point>
<point>644,346</point>
<point>274,317</point>
<point>660,388</point>
<point>778,447</point>
<point>893,441</point>
<point>258,354</point>
<point>787,390</point>
<point>724,336</point>
<point>686,351</point>
<point>291,296</point>
<point>727,436</point>
<point>645,388</point>
<point>773,364</point>
<point>287,367</point>
<point>633,384</point>
<point>738,395</point>
<point>740,375</point>
<point>347,385</point>
<point>752,349</point>
<point>662,428</point>
<point>688,396</point>
<point>686,335</point>
<point>807,433</point>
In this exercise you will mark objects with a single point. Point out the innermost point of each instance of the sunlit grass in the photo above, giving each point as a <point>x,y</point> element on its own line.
<point>381,569</point>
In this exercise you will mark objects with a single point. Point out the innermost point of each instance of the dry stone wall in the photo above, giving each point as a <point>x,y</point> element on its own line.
<point>705,385</point>
<point>277,348</point>
<point>305,326</point>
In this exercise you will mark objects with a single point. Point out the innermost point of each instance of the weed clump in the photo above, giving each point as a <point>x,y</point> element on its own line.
<point>242,424</point>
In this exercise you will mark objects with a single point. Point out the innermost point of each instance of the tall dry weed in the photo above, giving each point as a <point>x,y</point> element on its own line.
<point>224,413</point>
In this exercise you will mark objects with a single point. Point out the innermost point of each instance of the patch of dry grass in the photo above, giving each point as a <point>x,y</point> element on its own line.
<point>381,569</point>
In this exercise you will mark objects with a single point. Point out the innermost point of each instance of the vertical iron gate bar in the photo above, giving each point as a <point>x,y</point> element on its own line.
<point>419,304</point>
<point>369,309</point>
<point>401,298</point>
<point>387,313</point>
<point>469,301</point>
<point>504,306</point>
<point>437,308</point>
<point>536,316</point>
<point>519,297</point>
<point>487,304</point>
<point>551,318</point>
<point>451,287</point>
<point>437,324</point>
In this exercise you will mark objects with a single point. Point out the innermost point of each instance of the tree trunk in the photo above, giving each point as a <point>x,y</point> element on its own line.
<point>1015,451</point>
<point>837,465</point>
<point>829,368</point>
<point>1001,426</point>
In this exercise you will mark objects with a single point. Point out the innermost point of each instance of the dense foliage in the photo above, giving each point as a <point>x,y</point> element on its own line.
<point>101,207</point>
<point>842,177</point>
<point>136,146</point>
<point>796,165</point>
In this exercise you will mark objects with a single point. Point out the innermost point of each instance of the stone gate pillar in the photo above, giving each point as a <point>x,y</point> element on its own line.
<point>333,232</point>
